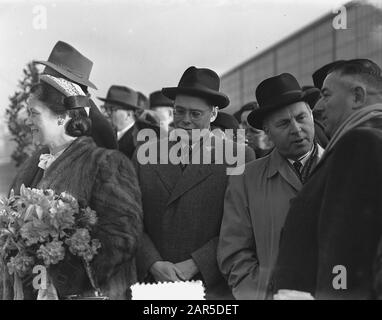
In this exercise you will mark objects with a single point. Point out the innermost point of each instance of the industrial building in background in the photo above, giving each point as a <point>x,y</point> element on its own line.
<point>310,48</point>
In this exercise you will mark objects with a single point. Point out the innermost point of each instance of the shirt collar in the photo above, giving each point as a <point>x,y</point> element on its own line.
<point>302,159</point>
<point>46,159</point>
<point>123,131</point>
<point>276,161</point>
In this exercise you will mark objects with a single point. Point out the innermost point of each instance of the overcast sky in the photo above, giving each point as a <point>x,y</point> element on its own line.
<point>147,44</point>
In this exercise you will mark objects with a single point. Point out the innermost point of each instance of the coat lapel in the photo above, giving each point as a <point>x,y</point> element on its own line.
<point>280,165</point>
<point>55,174</point>
<point>178,182</point>
<point>321,156</point>
<point>192,175</point>
<point>168,174</point>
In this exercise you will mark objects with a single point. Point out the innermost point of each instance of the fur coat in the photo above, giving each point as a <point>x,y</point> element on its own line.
<point>106,181</point>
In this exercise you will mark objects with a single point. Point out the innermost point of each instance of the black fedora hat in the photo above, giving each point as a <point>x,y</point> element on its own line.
<point>225,121</point>
<point>249,106</point>
<point>275,93</point>
<point>203,83</point>
<point>157,99</point>
<point>123,97</point>
<point>69,62</point>
<point>313,95</point>
<point>320,74</point>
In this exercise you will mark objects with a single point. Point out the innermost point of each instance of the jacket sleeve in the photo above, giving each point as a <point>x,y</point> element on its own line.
<point>237,250</point>
<point>205,260</point>
<point>147,255</point>
<point>117,200</point>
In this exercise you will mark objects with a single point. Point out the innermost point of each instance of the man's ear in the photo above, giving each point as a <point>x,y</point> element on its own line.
<point>359,96</point>
<point>214,114</point>
<point>130,114</point>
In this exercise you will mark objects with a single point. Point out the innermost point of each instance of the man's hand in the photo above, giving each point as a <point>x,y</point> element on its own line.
<point>166,271</point>
<point>292,295</point>
<point>188,268</point>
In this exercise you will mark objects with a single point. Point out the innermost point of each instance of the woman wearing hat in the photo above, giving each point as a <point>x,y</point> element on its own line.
<point>102,179</point>
<point>67,62</point>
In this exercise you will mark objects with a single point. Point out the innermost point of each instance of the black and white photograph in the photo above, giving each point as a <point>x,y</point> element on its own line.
<point>199,153</point>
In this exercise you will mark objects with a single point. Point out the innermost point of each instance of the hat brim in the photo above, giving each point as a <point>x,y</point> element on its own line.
<point>313,94</point>
<point>118,103</point>
<point>217,98</point>
<point>168,105</point>
<point>53,84</point>
<point>257,116</point>
<point>71,76</point>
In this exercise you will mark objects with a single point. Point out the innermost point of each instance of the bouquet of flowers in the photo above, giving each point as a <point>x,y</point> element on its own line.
<point>38,227</point>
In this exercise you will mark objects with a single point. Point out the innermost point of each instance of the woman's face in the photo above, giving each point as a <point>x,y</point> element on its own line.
<point>42,121</point>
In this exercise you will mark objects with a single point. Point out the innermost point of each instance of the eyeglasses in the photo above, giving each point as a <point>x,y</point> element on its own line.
<point>194,114</point>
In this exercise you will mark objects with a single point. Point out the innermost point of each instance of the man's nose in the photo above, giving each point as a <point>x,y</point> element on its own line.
<point>319,106</point>
<point>295,126</point>
<point>187,118</point>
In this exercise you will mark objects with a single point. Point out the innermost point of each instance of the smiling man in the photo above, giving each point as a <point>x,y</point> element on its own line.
<point>257,202</point>
<point>333,228</point>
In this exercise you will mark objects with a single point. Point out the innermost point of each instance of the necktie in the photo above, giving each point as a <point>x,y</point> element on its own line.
<point>297,165</point>
<point>186,150</point>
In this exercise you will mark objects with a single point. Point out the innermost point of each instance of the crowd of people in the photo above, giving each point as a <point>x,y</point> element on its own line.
<point>306,202</point>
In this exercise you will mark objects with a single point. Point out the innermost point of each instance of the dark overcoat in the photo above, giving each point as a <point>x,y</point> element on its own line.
<point>336,220</point>
<point>182,217</point>
<point>102,130</point>
<point>126,144</point>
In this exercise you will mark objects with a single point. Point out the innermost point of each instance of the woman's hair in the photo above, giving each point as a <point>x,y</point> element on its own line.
<point>79,124</point>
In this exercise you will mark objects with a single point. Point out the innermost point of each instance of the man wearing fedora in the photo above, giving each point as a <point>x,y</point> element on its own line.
<point>255,138</point>
<point>67,62</point>
<point>318,79</point>
<point>163,107</point>
<point>226,126</point>
<point>256,203</point>
<point>122,102</point>
<point>183,204</point>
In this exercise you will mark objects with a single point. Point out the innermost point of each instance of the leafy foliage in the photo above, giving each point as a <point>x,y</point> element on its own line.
<point>16,115</point>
